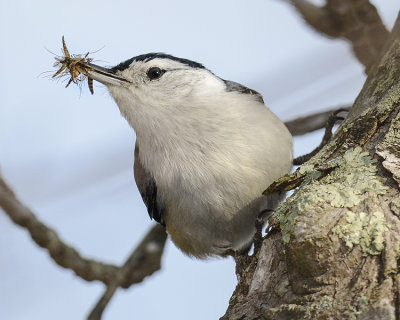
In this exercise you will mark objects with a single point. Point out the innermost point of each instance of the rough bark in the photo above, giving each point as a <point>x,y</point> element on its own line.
<point>334,248</point>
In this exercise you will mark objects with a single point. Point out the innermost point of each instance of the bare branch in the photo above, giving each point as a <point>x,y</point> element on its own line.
<point>143,261</point>
<point>312,122</point>
<point>357,21</point>
<point>46,237</point>
<point>70,258</point>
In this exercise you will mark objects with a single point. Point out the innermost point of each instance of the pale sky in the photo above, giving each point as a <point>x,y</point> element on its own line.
<point>69,155</point>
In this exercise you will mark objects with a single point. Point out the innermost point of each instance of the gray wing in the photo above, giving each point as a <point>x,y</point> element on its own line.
<point>234,86</point>
<point>148,189</point>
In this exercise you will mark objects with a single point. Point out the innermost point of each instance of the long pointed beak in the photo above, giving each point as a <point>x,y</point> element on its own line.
<point>105,76</point>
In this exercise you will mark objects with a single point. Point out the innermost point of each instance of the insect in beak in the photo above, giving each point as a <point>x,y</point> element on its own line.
<point>76,66</point>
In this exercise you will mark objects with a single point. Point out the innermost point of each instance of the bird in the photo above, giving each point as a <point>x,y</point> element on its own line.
<point>206,148</point>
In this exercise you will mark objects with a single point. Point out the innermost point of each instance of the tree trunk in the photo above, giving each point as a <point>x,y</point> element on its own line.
<point>334,251</point>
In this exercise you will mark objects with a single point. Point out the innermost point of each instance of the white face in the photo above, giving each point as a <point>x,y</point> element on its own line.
<point>163,95</point>
<point>159,81</point>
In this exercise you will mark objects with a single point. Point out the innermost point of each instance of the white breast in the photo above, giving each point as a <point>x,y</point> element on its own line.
<point>211,160</point>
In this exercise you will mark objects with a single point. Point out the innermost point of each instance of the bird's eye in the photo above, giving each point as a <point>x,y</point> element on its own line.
<point>155,73</point>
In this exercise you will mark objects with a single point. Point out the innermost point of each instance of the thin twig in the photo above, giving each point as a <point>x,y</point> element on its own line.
<point>67,256</point>
<point>47,238</point>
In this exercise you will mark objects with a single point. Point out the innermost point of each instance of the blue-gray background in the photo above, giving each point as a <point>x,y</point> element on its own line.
<point>69,155</point>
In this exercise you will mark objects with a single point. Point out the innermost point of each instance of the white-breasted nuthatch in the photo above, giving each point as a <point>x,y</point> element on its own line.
<point>206,149</point>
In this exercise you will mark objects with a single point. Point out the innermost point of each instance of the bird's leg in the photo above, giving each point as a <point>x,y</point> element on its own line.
<point>258,238</point>
<point>242,257</point>
<point>333,118</point>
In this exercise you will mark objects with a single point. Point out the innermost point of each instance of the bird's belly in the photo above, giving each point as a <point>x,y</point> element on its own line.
<point>205,230</point>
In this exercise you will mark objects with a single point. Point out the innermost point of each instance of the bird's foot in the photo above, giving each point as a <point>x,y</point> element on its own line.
<point>333,118</point>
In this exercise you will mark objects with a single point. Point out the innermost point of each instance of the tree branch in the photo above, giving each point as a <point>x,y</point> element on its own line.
<point>145,261</point>
<point>340,229</point>
<point>355,20</point>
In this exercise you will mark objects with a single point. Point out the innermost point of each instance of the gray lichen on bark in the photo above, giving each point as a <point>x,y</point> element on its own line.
<point>336,252</point>
<point>351,182</point>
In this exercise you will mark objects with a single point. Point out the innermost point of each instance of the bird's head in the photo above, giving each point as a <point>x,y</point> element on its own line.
<point>163,93</point>
<point>158,81</point>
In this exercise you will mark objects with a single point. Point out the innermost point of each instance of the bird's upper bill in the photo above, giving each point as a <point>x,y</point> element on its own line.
<point>104,75</point>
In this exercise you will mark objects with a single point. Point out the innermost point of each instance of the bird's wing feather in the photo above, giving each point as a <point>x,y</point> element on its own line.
<point>148,189</point>
<point>234,86</point>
